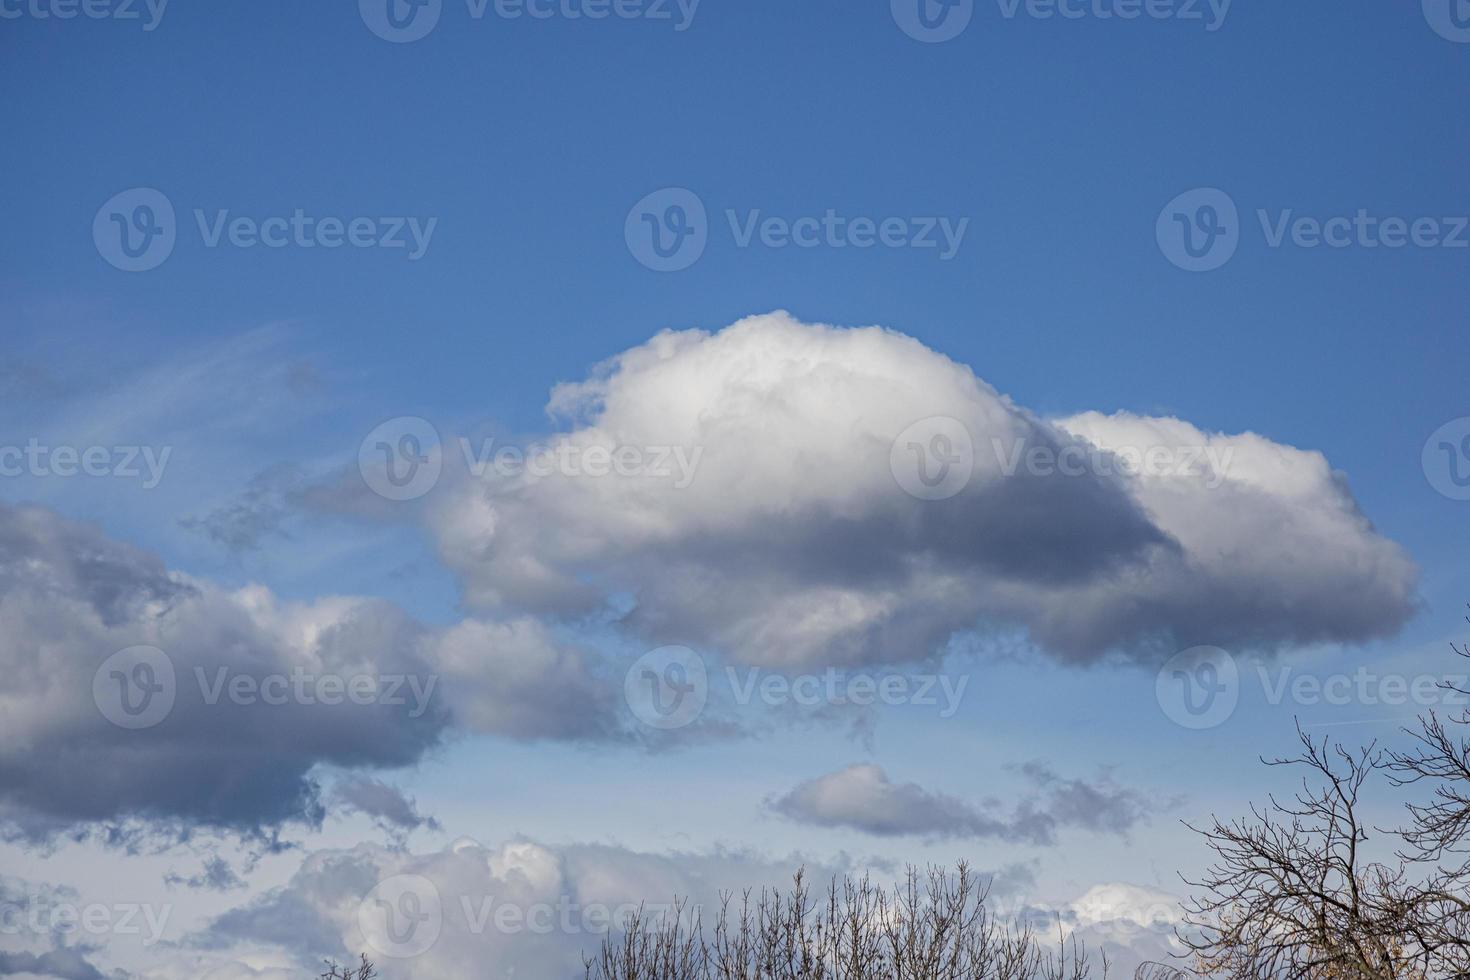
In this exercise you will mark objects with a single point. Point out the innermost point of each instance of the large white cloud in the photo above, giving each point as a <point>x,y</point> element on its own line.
<point>792,542</point>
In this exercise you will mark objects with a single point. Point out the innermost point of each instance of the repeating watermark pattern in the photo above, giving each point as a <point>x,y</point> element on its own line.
<point>1208,464</point>
<point>1446,459</point>
<point>136,230</point>
<point>148,13</point>
<point>135,688</point>
<point>36,459</point>
<point>676,465</point>
<point>404,916</point>
<point>1449,18</point>
<point>668,230</point>
<point>303,687</point>
<point>138,687</point>
<point>1362,687</point>
<point>400,21</point>
<point>404,21</point>
<point>1199,688</point>
<point>1211,14</point>
<point>935,21</point>
<point>669,688</point>
<point>932,21</point>
<point>1200,230</point>
<point>934,459</point>
<point>39,914</point>
<point>402,458</point>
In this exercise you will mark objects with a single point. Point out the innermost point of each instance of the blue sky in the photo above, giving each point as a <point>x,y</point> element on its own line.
<point>1058,141</point>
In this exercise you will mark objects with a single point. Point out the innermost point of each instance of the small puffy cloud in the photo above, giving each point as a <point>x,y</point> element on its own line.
<point>862,797</point>
<point>387,806</point>
<point>263,690</point>
<point>738,491</point>
<point>1131,924</point>
<point>67,963</point>
<point>35,941</point>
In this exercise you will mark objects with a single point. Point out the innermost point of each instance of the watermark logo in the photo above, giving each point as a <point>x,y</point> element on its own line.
<point>1449,18</point>
<point>932,21</point>
<point>667,688</point>
<point>1446,459</point>
<point>667,230</point>
<point>135,688</point>
<point>933,459</point>
<point>400,21</point>
<point>402,916</point>
<point>670,687</point>
<point>402,458</point>
<point>1199,230</point>
<point>135,230</point>
<point>1199,688</point>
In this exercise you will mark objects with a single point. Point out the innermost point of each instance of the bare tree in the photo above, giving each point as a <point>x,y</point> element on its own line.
<point>1438,835</point>
<point>934,926</point>
<point>1294,894</point>
<point>364,971</point>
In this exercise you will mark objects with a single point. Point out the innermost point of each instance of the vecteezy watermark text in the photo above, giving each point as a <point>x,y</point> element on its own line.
<point>668,230</point>
<point>39,915</point>
<point>403,458</point>
<point>403,21</point>
<point>1201,230</point>
<point>1200,687</point>
<point>148,12</point>
<point>669,688</point>
<point>404,915</point>
<point>541,460</point>
<point>934,21</point>
<point>935,459</point>
<point>1209,464</point>
<point>136,230</point>
<point>137,688</point>
<point>304,687</point>
<point>120,462</point>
